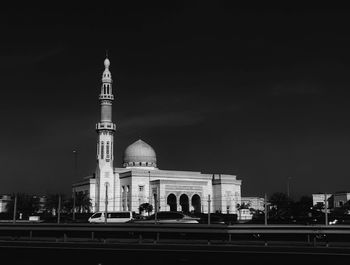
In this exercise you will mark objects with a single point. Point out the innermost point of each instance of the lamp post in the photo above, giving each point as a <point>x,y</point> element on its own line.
<point>325,209</point>
<point>15,209</point>
<point>149,187</point>
<point>74,204</point>
<point>266,209</point>
<point>106,201</point>
<point>155,207</point>
<point>75,153</point>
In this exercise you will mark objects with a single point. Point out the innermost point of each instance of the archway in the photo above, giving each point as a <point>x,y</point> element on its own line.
<point>196,203</point>
<point>171,201</point>
<point>184,202</point>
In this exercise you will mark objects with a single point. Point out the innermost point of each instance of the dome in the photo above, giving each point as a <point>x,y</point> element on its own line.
<point>107,63</point>
<point>140,154</point>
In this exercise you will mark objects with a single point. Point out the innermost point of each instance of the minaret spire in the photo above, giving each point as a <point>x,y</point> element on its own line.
<point>105,129</point>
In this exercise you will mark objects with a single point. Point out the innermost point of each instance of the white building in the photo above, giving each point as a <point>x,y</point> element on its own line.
<point>340,198</point>
<point>4,200</point>
<point>139,180</point>
<point>256,203</point>
<point>320,198</point>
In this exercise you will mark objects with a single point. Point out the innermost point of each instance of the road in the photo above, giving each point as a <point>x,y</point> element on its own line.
<point>30,253</point>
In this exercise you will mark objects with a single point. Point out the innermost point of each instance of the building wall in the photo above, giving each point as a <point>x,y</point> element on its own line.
<point>256,203</point>
<point>341,198</point>
<point>319,198</point>
<point>226,193</point>
<point>4,199</point>
<point>126,194</point>
<point>216,195</point>
<point>2,206</point>
<point>139,192</point>
<point>134,186</point>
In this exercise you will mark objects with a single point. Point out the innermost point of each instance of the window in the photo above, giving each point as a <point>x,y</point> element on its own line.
<point>102,150</point>
<point>141,188</point>
<point>169,215</point>
<point>123,188</point>
<point>127,188</point>
<point>119,215</point>
<point>107,150</point>
<point>96,215</point>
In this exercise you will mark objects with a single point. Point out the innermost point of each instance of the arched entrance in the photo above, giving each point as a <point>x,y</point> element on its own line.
<point>184,202</point>
<point>196,203</point>
<point>171,201</point>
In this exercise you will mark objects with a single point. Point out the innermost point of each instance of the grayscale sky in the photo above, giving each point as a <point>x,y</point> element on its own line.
<point>263,94</point>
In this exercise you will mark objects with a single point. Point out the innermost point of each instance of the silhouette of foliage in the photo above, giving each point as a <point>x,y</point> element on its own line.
<point>26,204</point>
<point>146,207</point>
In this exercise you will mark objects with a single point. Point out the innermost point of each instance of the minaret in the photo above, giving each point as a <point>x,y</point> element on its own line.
<point>105,180</point>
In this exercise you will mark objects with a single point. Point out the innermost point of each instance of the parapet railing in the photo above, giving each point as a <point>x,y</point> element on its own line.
<point>311,235</point>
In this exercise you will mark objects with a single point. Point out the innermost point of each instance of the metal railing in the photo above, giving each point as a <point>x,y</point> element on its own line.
<point>319,235</point>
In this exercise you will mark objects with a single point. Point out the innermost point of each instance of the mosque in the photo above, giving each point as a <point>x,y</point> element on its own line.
<point>139,180</point>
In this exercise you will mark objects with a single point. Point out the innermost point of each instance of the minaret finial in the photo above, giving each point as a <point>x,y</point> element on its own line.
<point>107,62</point>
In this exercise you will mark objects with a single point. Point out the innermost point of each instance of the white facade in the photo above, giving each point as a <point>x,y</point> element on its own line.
<point>140,181</point>
<point>4,200</point>
<point>257,203</point>
<point>340,198</point>
<point>320,198</point>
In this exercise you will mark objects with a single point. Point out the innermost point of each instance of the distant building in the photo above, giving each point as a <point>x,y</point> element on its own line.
<point>139,180</point>
<point>340,198</point>
<point>4,200</point>
<point>42,203</point>
<point>320,198</point>
<point>245,215</point>
<point>335,200</point>
<point>257,203</point>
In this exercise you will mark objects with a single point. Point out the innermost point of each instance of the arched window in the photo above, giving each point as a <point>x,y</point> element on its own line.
<point>107,150</point>
<point>111,150</point>
<point>102,150</point>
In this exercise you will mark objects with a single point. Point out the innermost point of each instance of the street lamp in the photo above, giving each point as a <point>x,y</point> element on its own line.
<point>149,187</point>
<point>75,153</point>
<point>106,201</point>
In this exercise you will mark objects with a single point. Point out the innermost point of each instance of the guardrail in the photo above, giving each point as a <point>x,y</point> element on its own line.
<point>180,233</point>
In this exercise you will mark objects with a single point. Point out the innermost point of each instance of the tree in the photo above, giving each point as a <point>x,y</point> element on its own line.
<point>281,205</point>
<point>82,202</point>
<point>318,206</point>
<point>51,203</point>
<point>303,207</point>
<point>243,205</point>
<point>146,207</point>
<point>26,204</point>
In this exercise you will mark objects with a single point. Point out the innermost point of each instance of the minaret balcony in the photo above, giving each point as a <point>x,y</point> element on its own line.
<point>106,96</point>
<point>106,126</point>
<point>107,79</point>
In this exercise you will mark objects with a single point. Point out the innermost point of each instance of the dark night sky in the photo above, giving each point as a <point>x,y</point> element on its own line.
<point>263,94</point>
